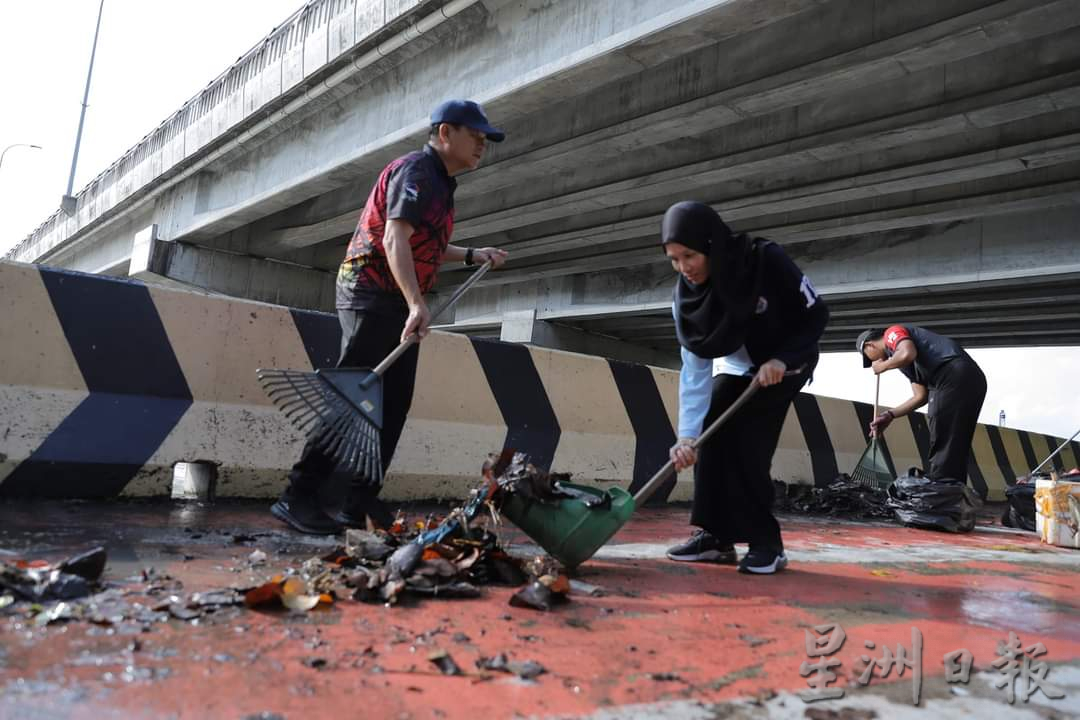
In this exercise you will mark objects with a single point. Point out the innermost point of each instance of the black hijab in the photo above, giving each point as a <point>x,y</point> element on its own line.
<point>712,318</point>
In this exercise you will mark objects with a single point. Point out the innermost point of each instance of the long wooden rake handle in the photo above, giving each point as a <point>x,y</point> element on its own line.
<point>647,490</point>
<point>462,289</point>
<point>877,395</point>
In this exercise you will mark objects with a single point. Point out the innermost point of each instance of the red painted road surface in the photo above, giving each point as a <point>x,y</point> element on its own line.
<point>662,632</point>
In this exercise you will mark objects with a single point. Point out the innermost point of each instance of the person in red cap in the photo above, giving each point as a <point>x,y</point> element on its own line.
<point>941,374</point>
<point>392,260</point>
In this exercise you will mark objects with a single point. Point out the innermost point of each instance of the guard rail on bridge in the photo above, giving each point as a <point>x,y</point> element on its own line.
<point>298,58</point>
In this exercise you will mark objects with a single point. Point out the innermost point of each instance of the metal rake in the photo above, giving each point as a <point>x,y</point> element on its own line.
<point>341,409</point>
<point>325,405</point>
<point>872,471</point>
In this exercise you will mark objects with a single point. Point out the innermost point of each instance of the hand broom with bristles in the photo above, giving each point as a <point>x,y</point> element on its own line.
<point>342,408</point>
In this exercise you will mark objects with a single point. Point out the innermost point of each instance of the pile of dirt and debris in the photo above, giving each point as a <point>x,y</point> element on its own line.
<point>515,475</point>
<point>843,498</point>
<point>436,557</point>
<point>449,557</point>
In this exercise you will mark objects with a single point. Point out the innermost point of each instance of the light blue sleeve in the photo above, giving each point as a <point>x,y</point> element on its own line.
<point>695,393</point>
<point>695,390</point>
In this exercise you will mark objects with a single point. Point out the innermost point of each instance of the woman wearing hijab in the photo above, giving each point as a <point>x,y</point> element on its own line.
<point>742,302</point>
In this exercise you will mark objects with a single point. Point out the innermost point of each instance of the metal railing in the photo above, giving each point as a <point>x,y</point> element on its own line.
<point>306,42</point>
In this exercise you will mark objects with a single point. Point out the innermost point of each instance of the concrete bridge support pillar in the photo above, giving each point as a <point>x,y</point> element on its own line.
<point>522,326</point>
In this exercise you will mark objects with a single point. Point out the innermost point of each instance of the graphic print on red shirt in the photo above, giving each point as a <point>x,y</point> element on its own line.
<point>894,335</point>
<point>414,188</point>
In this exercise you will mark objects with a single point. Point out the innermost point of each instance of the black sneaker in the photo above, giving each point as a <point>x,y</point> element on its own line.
<point>355,517</point>
<point>304,515</point>
<point>703,547</point>
<point>763,561</point>
<point>362,505</point>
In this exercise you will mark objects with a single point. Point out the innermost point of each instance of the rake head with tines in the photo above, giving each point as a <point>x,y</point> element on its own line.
<point>872,471</point>
<point>340,409</point>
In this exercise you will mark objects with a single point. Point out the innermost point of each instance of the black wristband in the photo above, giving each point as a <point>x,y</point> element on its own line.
<point>892,415</point>
<point>468,256</point>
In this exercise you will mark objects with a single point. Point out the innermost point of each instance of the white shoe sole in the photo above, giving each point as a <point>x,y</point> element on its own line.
<point>775,566</point>
<point>713,556</point>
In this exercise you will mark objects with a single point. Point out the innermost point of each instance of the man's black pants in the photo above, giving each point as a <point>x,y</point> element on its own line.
<point>733,490</point>
<point>366,338</point>
<point>956,398</point>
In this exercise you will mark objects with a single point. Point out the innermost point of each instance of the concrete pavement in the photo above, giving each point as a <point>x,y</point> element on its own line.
<point>661,640</point>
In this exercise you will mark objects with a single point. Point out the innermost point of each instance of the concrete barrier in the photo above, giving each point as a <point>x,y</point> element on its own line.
<point>106,384</point>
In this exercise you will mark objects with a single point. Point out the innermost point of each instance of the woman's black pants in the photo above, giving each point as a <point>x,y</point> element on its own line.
<point>733,490</point>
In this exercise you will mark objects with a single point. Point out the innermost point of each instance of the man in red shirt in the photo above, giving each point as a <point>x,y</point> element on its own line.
<point>941,373</point>
<point>392,260</point>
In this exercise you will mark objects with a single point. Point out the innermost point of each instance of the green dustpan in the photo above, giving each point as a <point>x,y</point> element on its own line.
<point>570,531</point>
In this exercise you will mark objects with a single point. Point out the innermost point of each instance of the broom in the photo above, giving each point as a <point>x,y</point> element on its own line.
<point>872,471</point>
<point>342,408</point>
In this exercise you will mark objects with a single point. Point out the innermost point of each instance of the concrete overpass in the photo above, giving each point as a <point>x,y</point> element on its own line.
<point>920,160</point>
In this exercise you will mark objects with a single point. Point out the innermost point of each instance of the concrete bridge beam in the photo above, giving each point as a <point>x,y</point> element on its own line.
<point>926,153</point>
<point>522,326</point>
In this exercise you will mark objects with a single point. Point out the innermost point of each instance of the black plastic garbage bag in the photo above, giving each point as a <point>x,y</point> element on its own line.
<point>945,504</point>
<point>1020,512</point>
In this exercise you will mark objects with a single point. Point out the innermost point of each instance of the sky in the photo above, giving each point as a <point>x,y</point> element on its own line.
<point>153,56</point>
<point>1034,386</point>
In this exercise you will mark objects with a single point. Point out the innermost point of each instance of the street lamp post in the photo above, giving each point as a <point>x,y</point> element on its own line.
<point>25,145</point>
<point>67,202</point>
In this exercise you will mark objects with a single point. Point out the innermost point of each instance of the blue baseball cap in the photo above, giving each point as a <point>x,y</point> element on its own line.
<point>469,114</point>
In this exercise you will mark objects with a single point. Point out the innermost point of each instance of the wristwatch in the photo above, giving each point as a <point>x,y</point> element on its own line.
<point>469,256</point>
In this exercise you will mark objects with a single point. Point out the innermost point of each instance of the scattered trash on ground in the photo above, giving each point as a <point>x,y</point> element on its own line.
<point>538,595</point>
<point>578,587</point>
<point>434,557</point>
<point>664,677</point>
<point>40,581</point>
<point>442,660</point>
<point>548,585</point>
<point>841,714</point>
<point>294,593</point>
<point>74,590</point>
<point>842,498</point>
<point>525,670</point>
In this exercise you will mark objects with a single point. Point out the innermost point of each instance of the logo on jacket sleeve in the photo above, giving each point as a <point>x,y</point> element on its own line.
<point>808,292</point>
